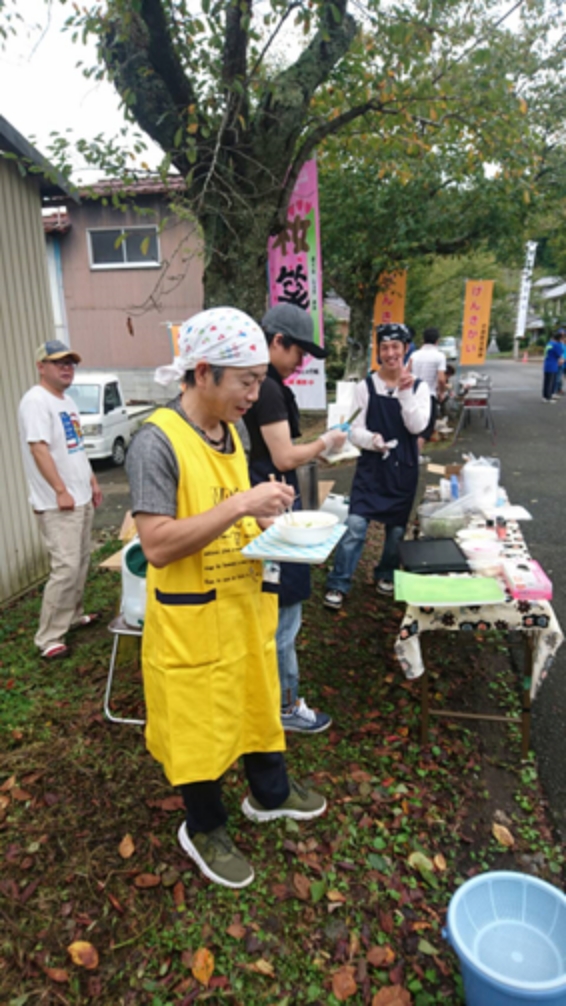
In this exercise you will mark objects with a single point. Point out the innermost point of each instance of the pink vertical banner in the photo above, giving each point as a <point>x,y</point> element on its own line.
<point>295,277</point>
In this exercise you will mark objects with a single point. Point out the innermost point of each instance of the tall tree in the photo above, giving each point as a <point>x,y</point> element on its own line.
<point>236,116</point>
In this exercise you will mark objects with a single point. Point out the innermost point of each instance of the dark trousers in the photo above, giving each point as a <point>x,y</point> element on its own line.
<point>267,777</point>
<point>549,383</point>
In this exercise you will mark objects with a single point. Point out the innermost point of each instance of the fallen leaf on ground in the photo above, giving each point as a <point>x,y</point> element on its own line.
<point>426,948</point>
<point>302,886</point>
<point>127,847</point>
<point>418,861</point>
<point>21,795</point>
<point>335,896</point>
<point>262,967</point>
<point>84,954</point>
<point>237,930</point>
<point>202,965</point>
<point>179,893</point>
<point>380,956</point>
<point>393,995</point>
<point>344,984</point>
<point>144,880</point>
<point>57,974</point>
<point>503,835</point>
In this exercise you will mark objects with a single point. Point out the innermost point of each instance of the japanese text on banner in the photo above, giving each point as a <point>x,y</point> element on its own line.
<point>295,277</point>
<point>389,306</point>
<point>475,329</point>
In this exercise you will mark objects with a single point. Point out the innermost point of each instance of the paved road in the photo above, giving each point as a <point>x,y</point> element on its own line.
<point>529,443</point>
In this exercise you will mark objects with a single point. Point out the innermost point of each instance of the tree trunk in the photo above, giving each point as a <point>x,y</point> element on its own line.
<point>236,258</point>
<point>361,326</point>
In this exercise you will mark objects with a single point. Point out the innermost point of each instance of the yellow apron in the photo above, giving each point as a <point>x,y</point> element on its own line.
<point>209,658</point>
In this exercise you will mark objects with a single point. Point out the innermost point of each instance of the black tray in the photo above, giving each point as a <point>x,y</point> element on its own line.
<point>433,555</point>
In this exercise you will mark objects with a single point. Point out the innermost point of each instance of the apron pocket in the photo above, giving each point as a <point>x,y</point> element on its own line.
<point>188,629</point>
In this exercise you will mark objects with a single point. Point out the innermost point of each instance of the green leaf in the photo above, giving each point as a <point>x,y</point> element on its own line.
<point>377,862</point>
<point>318,890</point>
<point>427,948</point>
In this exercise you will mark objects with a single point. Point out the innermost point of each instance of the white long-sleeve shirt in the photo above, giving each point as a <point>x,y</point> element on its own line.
<point>415,410</point>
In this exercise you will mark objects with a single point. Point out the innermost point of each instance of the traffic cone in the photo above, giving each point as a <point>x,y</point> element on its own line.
<point>525,357</point>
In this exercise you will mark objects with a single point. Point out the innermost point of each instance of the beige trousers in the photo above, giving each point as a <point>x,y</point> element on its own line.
<point>66,534</point>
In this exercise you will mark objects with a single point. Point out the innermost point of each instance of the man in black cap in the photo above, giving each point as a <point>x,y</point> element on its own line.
<point>63,492</point>
<point>273,425</point>
<point>394,409</point>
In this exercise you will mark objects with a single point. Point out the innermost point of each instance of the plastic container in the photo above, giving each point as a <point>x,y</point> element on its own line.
<point>480,479</point>
<point>437,521</point>
<point>337,504</point>
<point>509,932</point>
<point>527,581</point>
<point>134,567</point>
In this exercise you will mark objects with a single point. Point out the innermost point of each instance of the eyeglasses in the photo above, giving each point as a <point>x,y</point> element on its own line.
<point>61,363</point>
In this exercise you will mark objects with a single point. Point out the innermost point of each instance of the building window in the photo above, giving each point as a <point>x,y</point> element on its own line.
<point>124,248</point>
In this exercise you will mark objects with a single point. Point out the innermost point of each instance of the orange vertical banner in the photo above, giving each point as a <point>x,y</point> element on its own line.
<point>389,306</point>
<point>174,331</point>
<point>475,328</point>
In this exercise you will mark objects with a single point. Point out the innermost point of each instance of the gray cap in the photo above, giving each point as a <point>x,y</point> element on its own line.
<point>292,321</point>
<point>54,349</point>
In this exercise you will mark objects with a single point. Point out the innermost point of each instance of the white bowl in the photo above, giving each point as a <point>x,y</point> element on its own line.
<point>306,527</point>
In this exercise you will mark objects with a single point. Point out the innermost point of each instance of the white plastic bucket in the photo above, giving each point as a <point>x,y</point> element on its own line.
<point>134,565</point>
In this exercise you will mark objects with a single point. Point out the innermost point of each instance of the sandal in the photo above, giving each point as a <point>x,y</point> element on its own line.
<point>55,651</point>
<point>85,620</point>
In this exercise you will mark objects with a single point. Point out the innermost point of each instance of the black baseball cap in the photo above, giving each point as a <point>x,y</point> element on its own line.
<point>292,321</point>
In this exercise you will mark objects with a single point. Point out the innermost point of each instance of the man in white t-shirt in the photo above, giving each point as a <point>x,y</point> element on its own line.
<point>429,365</point>
<point>63,492</point>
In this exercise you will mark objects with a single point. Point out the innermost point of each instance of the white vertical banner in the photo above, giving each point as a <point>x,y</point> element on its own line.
<point>524,294</point>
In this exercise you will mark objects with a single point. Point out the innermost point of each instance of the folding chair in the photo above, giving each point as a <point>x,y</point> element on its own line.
<point>130,620</point>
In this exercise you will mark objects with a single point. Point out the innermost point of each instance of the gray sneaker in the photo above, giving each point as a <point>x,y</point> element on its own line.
<point>217,857</point>
<point>300,719</point>
<point>301,805</point>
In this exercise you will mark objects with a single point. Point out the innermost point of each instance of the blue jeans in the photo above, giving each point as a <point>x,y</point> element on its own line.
<point>350,549</point>
<point>288,627</point>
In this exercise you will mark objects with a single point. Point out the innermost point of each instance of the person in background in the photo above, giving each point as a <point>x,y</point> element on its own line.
<point>208,654</point>
<point>558,389</point>
<point>63,493</point>
<point>429,364</point>
<point>273,425</point>
<point>553,356</point>
<point>395,409</point>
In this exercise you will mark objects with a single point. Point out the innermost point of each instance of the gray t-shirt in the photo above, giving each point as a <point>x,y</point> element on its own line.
<point>152,468</point>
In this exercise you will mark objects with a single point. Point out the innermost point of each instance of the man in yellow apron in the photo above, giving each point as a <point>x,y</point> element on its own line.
<point>209,658</point>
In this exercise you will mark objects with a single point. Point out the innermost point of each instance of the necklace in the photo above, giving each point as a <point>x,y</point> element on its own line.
<point>210,440</point>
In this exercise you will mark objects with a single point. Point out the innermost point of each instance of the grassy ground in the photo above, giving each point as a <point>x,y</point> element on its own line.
<point>349,907</point>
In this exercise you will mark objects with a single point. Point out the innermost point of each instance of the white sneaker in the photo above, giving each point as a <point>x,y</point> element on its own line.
<point>301,719</point>
<point>385,587</point>
<point>333,599</point>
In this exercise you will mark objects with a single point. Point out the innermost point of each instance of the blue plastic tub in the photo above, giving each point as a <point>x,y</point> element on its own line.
<point>509,932</point>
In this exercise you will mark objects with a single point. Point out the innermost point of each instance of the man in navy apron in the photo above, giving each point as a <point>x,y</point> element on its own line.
<point>273,424</point>
<point>395,409</point>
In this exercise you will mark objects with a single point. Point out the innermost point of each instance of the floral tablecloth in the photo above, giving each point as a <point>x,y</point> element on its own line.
<point>534,617</point>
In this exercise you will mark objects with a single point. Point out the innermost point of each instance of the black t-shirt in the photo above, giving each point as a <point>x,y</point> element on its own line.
<point>271,407</point>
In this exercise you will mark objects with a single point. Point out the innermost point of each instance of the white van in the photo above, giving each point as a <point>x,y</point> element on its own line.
<point>107,422</point>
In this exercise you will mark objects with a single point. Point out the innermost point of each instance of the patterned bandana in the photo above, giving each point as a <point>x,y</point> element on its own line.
<point>393,333</point>
<point>221,336</point>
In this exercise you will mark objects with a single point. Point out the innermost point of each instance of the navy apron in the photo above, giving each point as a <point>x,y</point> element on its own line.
<point>295,582</point>
<point>383,489</point>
